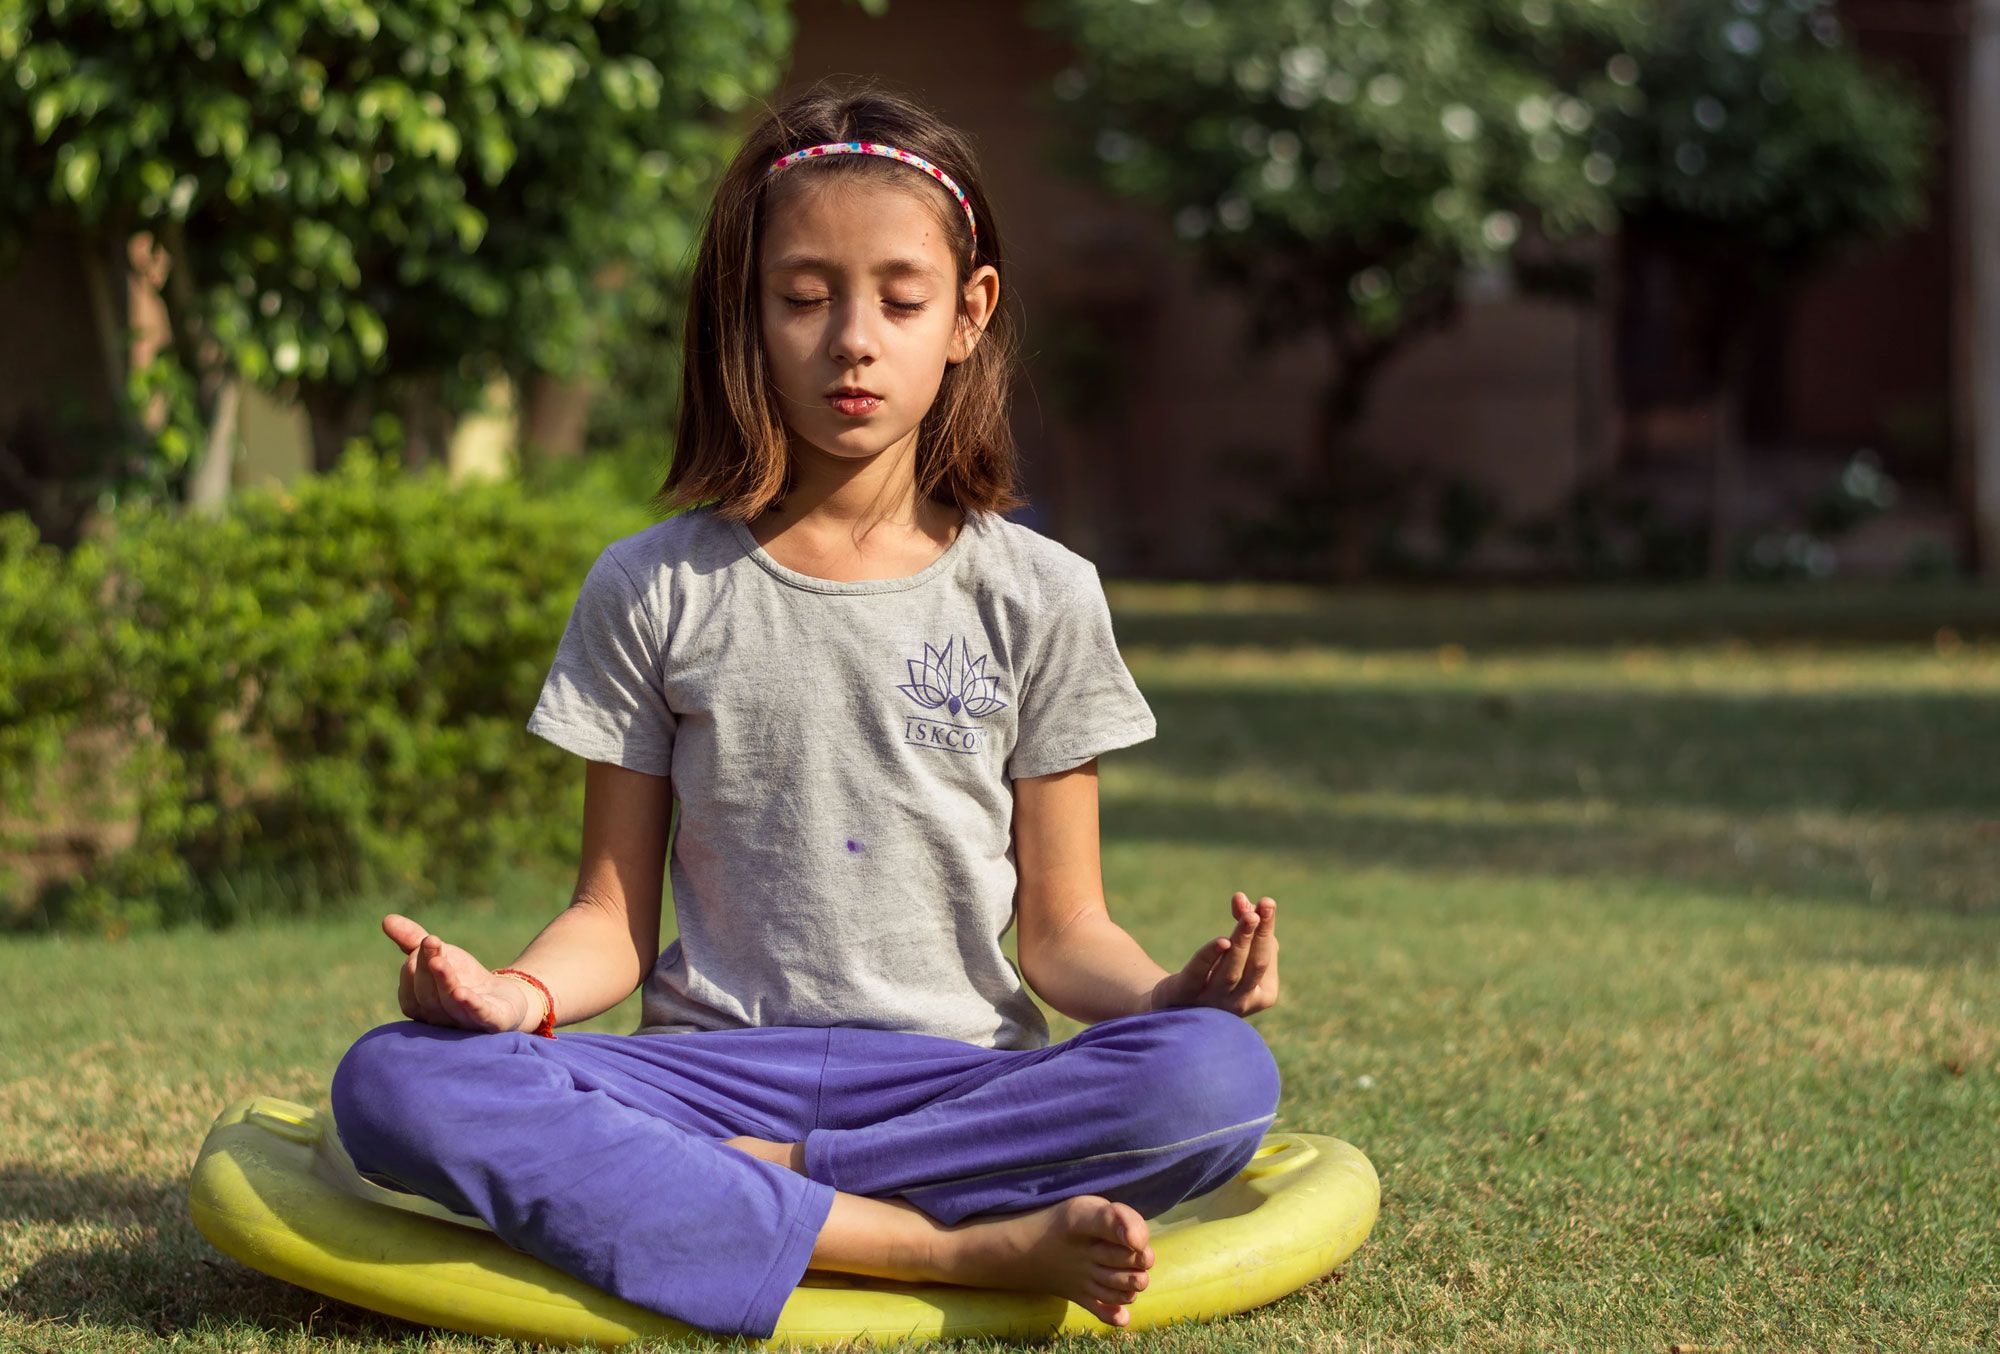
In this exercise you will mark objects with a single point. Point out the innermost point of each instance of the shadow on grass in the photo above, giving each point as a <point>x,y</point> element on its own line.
<point>1597,855</point>
<point>1753,753</point>
<point>164,1276</point>
<point>1506,618</point>
<point>1808,796</point>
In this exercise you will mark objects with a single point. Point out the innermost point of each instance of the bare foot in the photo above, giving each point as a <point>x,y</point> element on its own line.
<point>1087,1249</point>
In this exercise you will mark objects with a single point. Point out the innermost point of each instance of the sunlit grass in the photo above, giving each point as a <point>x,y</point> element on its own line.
<point>1657,971</point>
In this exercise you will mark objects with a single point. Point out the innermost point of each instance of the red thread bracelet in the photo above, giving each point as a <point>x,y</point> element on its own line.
<point>547,1028</point>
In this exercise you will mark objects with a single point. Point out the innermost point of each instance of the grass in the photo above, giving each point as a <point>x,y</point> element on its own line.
<point>1649,944</point>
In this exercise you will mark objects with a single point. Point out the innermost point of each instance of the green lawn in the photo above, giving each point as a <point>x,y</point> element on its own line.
<point>1649,944</point>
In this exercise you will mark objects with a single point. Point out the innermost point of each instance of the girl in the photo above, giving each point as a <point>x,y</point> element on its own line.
<point>877,705</point>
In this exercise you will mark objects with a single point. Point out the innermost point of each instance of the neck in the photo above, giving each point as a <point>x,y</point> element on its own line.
<point>859,493</point>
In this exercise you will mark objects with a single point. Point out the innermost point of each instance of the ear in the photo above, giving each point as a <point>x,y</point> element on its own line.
<point>982,294</point>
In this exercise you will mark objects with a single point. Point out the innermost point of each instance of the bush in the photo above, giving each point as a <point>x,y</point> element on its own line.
<point>322,692</point>
<point>50,676</point>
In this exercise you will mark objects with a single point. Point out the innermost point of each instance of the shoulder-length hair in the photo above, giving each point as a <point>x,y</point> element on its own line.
<point>730,442</point>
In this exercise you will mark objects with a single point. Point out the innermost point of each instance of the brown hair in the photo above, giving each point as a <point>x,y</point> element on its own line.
<point>730,442</point>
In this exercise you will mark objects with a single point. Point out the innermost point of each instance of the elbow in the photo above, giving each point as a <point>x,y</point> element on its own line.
<point>627,936</point>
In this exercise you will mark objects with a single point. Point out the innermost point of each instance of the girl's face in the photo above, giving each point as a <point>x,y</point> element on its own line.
<point>856,287</point>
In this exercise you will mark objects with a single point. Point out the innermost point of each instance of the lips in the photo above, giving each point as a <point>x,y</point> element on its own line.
<point>855,403</point>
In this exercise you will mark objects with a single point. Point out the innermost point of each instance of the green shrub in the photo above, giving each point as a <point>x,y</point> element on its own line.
<point>51,677</point>
<point>325,690</point>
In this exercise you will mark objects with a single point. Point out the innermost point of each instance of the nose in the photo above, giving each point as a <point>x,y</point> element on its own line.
<point>851,339</point>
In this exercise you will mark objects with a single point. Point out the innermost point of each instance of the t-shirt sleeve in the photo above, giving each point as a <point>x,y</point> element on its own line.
<point>603,698</point>
<point>1078,699</point>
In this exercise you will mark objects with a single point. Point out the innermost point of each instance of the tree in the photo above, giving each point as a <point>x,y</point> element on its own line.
<point>380,205</point>
<point>1342,164</point>
<point>1752,147</point>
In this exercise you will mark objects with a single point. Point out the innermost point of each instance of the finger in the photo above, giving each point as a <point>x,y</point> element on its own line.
<point>1217,981</point>
<point>409,989</point>
<point>406,987</point>
<point>1239,948</point>
<point>426,976</point>
<point>457,1000</point>
<point>450,969</point>
<point>1264,945</point>
<point>473,992</point>
<point>423,991</point>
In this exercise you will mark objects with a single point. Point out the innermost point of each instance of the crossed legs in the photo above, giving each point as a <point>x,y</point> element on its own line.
<point>625,1159</point>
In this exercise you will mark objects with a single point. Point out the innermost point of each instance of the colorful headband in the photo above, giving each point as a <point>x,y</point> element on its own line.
<point>893,152</point>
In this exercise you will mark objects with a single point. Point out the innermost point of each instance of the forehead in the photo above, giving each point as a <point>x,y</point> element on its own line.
<point>855,227</point>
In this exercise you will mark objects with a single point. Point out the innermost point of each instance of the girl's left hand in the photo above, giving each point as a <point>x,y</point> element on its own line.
<point>1237,972</point>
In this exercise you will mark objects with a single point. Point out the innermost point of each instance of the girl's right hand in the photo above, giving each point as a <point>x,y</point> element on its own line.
<point>443,985</point>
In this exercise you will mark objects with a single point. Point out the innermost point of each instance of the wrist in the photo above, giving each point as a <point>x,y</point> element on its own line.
<point>540,1005</point>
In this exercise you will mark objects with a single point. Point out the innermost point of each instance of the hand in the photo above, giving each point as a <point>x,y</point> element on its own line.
<point>1237,972</point>
<point>443,985</point>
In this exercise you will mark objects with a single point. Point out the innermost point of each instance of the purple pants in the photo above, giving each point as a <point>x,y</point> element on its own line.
<point>602,1154</point>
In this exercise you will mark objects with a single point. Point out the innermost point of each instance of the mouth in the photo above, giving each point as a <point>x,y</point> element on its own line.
<point>853,400</point>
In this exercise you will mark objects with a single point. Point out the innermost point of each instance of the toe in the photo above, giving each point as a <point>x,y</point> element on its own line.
<point>1115,1255</point>
<point>1131,1227</point>
<point>1108,1306</point>
<point>1112,1222</point>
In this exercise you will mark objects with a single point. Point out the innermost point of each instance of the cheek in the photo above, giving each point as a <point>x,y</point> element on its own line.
<point>787,346</point>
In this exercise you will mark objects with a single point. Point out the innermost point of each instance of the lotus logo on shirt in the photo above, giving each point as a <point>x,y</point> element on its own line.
<point>949,682</point>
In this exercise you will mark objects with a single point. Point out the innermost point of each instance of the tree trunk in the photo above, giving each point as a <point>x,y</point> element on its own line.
<point>1725,479</point>
<point>556,417</point>
<point>426,424</point>
<point>336,414</point>
<point>208,485</point>
<point>1739,304</point>
<point>1338,410</point>
<point>215,378</point>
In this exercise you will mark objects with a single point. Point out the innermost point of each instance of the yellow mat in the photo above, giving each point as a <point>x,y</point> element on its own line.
<point>273,1188</point>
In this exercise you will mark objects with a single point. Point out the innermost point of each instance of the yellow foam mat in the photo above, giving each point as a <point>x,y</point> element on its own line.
<point>273,1188</point>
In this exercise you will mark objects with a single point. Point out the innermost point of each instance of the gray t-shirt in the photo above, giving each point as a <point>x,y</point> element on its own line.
<point>842,755</point>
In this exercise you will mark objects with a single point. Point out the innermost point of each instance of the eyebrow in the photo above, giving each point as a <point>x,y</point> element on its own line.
<point>895,267</point>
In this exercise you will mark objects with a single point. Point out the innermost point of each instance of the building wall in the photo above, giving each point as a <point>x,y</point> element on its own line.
<point>1143,487</point>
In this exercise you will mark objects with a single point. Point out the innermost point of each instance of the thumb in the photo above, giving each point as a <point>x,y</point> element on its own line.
<point>1205,958</point>
<point>403,931</point>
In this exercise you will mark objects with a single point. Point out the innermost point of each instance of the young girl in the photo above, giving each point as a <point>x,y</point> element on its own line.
<point>877,705</point>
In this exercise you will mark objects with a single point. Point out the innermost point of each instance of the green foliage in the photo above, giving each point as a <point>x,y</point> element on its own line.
<point>1340,162</point>
<point>320,692</point>
<point>410,187</point>
<point>1753,127</point>
<point>50,678</point>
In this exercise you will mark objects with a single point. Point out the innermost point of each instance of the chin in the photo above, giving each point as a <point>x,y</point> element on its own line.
<point>855,443</point>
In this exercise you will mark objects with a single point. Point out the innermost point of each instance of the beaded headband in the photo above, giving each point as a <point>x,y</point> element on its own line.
<point>910,158</point>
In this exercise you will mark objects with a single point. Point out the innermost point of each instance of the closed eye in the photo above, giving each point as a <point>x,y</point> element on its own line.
<point>808,302</point>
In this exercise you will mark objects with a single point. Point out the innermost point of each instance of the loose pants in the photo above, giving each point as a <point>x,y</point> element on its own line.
<point>603,1154</point>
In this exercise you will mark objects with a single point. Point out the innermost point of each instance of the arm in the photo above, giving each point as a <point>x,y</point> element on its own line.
<point>1087,966</point>
<point>596,951</point>
<point>1075,957</point>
